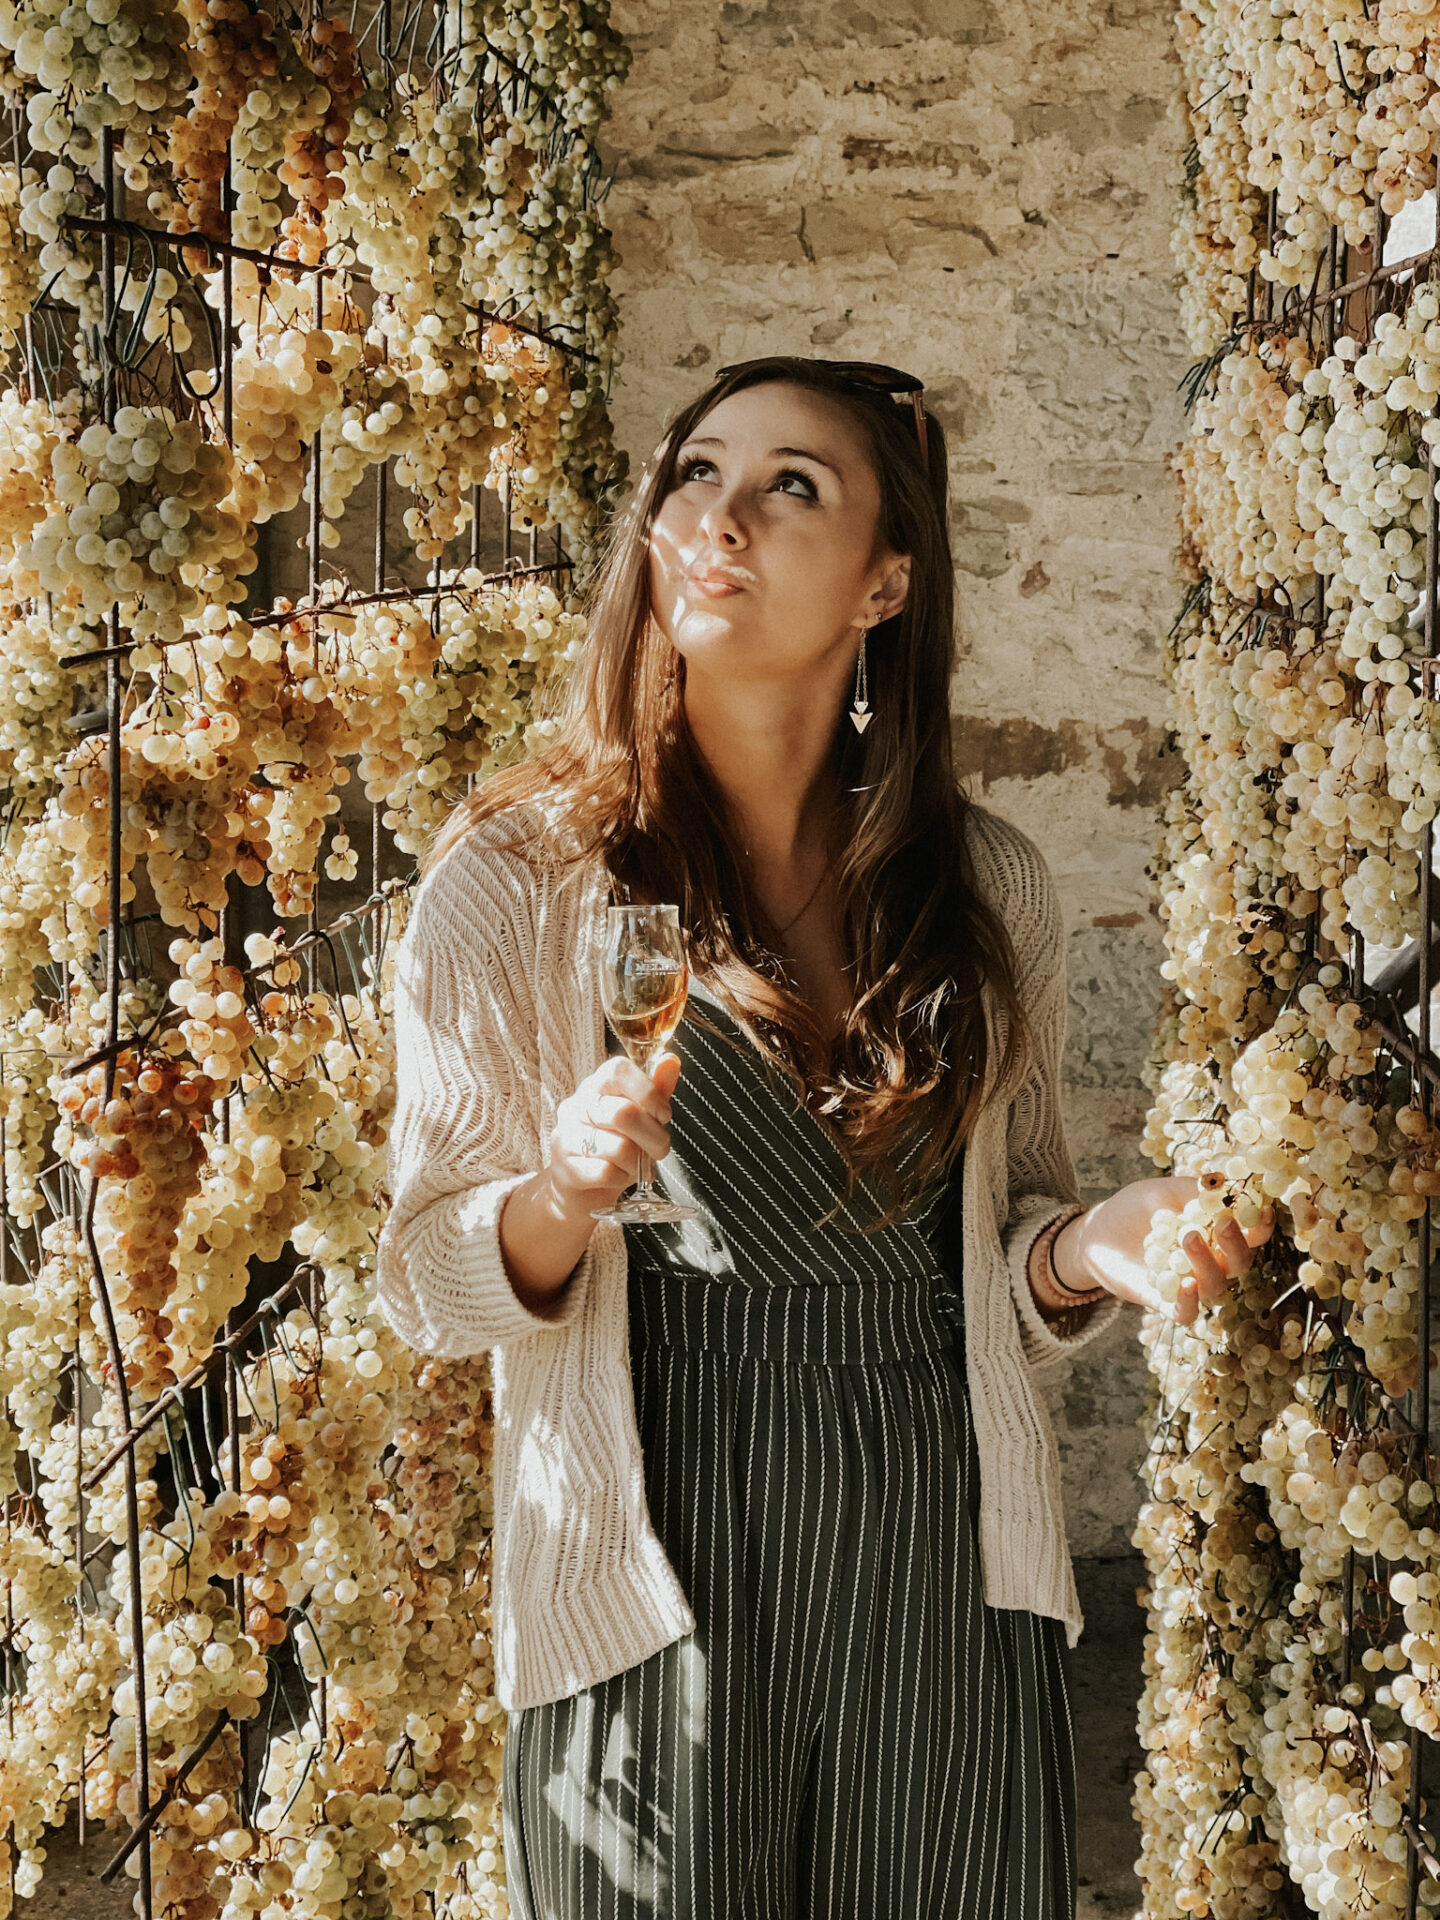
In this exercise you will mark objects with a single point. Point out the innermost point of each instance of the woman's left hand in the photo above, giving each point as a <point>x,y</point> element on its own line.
<point>1106,1246</point>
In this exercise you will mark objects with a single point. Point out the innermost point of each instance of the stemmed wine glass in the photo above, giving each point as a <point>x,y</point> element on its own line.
<point>644,979</point>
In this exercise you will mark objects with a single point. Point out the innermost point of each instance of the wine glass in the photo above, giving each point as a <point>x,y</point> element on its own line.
<point>644,978</point>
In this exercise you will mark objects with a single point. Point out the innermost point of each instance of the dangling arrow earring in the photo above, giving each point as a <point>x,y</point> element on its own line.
<point>860,713</point>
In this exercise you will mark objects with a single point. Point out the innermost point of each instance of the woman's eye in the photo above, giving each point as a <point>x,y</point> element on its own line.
<point>688,468</point>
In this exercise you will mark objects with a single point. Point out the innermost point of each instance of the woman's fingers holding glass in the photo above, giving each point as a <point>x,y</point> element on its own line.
<point>616,1113</point>
<point>664,1074</point>
<point>603,1153</point>
<point>620,1078</point>
<point>638,1120</point>
<point>588,1161</point>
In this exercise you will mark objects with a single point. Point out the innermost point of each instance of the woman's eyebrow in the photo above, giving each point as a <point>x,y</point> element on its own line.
<point>709,440</point>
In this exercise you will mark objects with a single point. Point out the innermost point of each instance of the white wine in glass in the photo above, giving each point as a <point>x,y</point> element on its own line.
<point>644,979</point>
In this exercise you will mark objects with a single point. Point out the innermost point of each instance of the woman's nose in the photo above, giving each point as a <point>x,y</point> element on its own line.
<point>719,522</point>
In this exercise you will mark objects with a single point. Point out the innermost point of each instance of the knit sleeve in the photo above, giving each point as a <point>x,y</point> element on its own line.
<point>465,1131</point>
<point>1040,1175</point>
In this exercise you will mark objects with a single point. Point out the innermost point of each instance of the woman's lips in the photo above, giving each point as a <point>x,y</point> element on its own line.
<point>715,588</point>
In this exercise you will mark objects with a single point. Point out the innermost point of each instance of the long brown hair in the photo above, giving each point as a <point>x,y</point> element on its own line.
<point>632,788</point>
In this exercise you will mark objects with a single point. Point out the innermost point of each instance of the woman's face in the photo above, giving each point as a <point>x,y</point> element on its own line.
<point>774,491</point>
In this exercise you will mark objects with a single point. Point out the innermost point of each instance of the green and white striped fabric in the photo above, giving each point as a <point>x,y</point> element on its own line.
<point>850,1733</point>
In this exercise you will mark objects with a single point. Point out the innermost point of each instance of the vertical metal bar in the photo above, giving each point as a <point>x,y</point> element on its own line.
<point>505,503</point>
<point>227,311</point>
<point>77,1376</point>
<point>77,1389</point>
<point>114,696</point>
<point>117,1354</point>
<point>4,1197</point>
<point>316,524</point>
<point>16,123</point>
<point>317,1309</point>
<point>232,1418</point>
<point>382,504</point>
<point>114,699</point>
<point>315,474</point>
<point>9,1660</point>
<point>107,268</point>
<point>226,936</point>
<point>1422,1094</point>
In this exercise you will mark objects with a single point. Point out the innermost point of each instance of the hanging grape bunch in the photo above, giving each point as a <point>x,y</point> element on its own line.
<point>305,347</point>
<point>1291,1712</point>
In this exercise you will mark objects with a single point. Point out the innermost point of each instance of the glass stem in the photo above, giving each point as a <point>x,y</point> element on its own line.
<point>645,1178</point>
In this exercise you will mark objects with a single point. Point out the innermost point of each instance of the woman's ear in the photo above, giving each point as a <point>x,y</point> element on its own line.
<point>890,596</point>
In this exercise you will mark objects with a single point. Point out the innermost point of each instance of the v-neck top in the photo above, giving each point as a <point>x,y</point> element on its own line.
<point>765,1172</point>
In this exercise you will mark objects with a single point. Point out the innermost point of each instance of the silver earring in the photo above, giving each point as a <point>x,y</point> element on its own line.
<point>860,713</point>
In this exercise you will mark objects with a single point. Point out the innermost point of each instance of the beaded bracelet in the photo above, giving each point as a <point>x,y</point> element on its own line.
<point>1052,1291</point>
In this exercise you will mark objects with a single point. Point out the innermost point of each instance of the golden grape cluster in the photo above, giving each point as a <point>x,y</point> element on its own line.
<point>259,273</point>
<point>1288,1523</point>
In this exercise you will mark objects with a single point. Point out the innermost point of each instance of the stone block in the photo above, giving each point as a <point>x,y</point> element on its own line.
<point>1113,976</point>
<point>1092,119</point>
<point>1131,755</point>
<point>868,153</point>
<point>961,406</point>
<point>763,24</point>
<point>918,232</point>
<point>1087,348</point>
<point>751,232</point>
<point>692,155</point>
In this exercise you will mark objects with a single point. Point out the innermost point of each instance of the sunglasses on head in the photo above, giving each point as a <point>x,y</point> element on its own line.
<point>871,376</point>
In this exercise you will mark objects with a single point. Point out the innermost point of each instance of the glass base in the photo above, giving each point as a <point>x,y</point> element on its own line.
<point>638,1207</point>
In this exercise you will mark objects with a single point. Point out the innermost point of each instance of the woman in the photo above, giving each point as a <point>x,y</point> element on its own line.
<point>782,1601</point>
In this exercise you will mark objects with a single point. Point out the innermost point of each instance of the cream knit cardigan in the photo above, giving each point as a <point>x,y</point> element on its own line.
<point>497,1019</point>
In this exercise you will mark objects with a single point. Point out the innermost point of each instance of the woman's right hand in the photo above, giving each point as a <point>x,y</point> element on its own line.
<point>614,1115</point>
<point>594,1153</point>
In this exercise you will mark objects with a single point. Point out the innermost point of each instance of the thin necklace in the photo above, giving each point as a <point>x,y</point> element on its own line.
<point>824,871</point>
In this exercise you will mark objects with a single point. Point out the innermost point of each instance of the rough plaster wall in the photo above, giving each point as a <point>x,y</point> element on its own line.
<point>982,195</point>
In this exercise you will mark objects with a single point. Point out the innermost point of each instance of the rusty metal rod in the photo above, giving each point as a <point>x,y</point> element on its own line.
<point>1316,301</point>
<point>280,616</point>
<point>191,1760</point>
<point>108,228</point>
<point>110,391</point>
<point>86,223</point>
<point>376,904</point>
<point>173,1395</point>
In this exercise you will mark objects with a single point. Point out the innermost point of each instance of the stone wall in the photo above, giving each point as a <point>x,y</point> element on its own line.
<point>981,195</point>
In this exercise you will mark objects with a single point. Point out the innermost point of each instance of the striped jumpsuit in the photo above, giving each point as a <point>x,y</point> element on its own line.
<point>849,1732</point>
